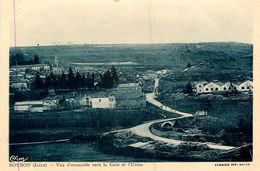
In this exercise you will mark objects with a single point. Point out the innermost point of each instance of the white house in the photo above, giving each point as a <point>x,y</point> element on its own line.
<point>35,67</point>
<point>98,100</point>
<point>149,75</point>
<point>163,72</point>
<point>25,105</point>
<point>199,86</point>
<point>216,86</point>
<point>211,87</point>
<point>85,100</point>
<point>103,102</point>
<point>38,67</point>
<point>35,106</point>
<point>245,86</point>
<point>225,86</point>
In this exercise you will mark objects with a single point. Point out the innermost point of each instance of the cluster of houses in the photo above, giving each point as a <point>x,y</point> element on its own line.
<point>217,86</point>
<point>125,96</point>
<point>21,76</point>
<point>151,74</point>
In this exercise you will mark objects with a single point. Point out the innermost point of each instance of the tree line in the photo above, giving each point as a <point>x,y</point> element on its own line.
<point>17,58</point>
<point>108,79</point>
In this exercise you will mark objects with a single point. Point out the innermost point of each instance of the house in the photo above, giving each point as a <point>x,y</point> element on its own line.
<point>39,67</point>
<point>149,75</point>
<point>102,99</point>
<point>245,86</point>
<point>57,70</point>
<point>21,86</point>
<point>24,106</point>
<point>34,106</point>
<point>129,96</point>
<point>216,86</point>
<point>103,102</point>
<point>198,86</point>
<point>226,86</point>
<point>129,85</point>
<point>84,101</point>
<point>35,67</point>
<point>125,96</point>
<point>163,72</point>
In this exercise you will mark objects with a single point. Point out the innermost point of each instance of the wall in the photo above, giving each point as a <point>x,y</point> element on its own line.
<point>100,103</point>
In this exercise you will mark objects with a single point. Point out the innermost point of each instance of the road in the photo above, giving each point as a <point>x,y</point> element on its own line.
<point>143,130</point>
<point>150,97</point>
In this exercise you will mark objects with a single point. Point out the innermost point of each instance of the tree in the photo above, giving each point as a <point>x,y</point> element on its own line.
<point>108,81</point>
<point>53,82</point>
<point>114,76</point>
<point>36,59</point>
<point>205,104</point>
<point>38,83</point>
<point>188,65</point>
<point>71,79</point>
<point>62,83</point>
<point>83,81</point>
<point>188,89</point>
<point>16,57</point>
<point>62,101</point>
<point>92,80</point>
<point>89,81</point>
<point>48,81</point>
<point>78,80</point>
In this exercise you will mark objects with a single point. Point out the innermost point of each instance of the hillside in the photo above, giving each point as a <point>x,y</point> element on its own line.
<point>209,56</point>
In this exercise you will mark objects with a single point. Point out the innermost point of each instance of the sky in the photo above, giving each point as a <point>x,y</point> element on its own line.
<point>50,22</point>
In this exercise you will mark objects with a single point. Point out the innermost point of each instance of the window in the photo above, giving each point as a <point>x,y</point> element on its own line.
<point>248,88</point>
<point>243,88</point>
<point>224,88</point>
<point>211,89</point>
<point>207,89</point>
<point>99,100</point>
<point>216,89</point>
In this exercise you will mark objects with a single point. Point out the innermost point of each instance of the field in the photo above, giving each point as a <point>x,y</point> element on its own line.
<point>210,57</point>
<point>36,127</point>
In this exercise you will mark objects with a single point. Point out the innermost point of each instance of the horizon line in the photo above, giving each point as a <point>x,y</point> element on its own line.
<point>47,45</point>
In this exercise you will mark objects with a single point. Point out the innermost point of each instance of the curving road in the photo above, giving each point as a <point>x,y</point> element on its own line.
<point>143,130</point>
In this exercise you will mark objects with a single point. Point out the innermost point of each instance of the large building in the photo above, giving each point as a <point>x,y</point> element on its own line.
<point>34,106</point>
<point>216,86</point>
<point>125,96</point>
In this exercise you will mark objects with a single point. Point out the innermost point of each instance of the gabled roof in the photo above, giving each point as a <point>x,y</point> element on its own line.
<point>202,82</point>
<point>218,82</point>
<point>212,83</point>
<point>239,83</point>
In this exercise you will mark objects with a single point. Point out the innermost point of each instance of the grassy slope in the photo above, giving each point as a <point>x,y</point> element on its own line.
<point>176,56</point>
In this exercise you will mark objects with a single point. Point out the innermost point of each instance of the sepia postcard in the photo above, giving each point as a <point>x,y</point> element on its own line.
<point>129,84</point>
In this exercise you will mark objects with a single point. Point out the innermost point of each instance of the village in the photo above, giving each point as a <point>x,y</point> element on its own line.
<point>87,102</point>
<point>120,95</point>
